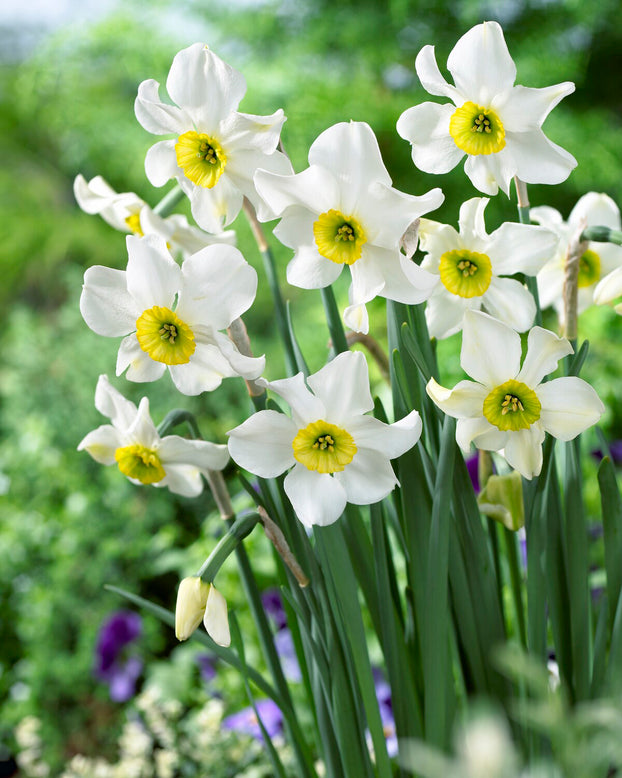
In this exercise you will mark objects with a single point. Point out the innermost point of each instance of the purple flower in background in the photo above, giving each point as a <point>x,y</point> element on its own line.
<point>111,663</point>
<point>246,720</point>
<point>273,606</point>
<point>383,695</point>
<point>207,666</point>
<point>284,644</point>
<point>472,466</point>
<point>615,449</point>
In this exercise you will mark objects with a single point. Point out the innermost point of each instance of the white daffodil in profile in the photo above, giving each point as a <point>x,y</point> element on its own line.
<point>127,212</point>
<point>211,289</point>
<point>133,443</point>
<point>342,210</point>
<point>496,124</point>
<point>338,453</point>
<point>597,261</point>
<point>198,601</point>
<point>469,266</point>
<point>507,408</point>
<point>216,149</point>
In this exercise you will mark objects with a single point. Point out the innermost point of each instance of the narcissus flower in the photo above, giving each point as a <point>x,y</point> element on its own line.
<point>507,408</point>
<point>198,601</point>
<point>338,453</point>
<point>211,289</point>
<point>496,124</point>
<point>133,443</point>
<point>216,150</point>
<point>469,266</point>
<point>597,261</point>
<point>342,210</point>
<point>127,212</point>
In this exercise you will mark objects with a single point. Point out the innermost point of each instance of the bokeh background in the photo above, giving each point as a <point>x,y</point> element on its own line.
<point>69,72</point>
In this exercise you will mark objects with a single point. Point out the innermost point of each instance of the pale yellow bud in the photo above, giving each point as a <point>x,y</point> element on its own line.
<point>215,620</point>
<point>190,608</point>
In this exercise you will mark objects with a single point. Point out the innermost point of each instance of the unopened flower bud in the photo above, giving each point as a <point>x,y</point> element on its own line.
<point>192,598</point>
<point>215,620</point>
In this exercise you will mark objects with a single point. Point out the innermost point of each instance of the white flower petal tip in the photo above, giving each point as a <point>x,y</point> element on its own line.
<point>338,453</point>
<point>216,149</point>
<point>192,598</point>
<point>508,408</point>
<point>496,124</point>
<point>216,620</point>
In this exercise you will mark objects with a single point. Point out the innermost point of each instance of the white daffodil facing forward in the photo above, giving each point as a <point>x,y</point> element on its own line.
<point>211,289</point>
<point>127,212</point>
<point>132,442</point>
<point>338,453</point>
<point>198,602</point>
<point>507,408</point>
<point>216,150</point>
<point>468,266</point>
<point>597,261</point>
<point>342,210</point>
<point>496,124</point>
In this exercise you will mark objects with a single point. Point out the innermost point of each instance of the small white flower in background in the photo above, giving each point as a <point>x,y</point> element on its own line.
<point>484,748</point>
<point>132,442</point>
<point>127,212</point>
<point>216,150</point>
<point>212,288</point>
<point>198,601</point>
<point>468,266</point>
<point>338,453</point>
<point>342,210</point>
<point>507,408</point>
<point>496,124</point>
<point>597,261</point>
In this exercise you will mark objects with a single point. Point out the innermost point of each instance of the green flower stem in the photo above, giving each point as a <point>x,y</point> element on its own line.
<point>523,218</point>
<point>236,532</point>
<point>516,582</point>
<point>176,417</point>
<point>602,234</point>
<point>169,201</point>
<point>333,318</point>
<point>273,281</point>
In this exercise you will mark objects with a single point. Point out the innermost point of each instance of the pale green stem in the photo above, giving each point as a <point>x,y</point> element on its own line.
<point>169,201</point>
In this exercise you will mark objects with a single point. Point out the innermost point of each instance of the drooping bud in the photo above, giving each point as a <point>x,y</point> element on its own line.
<point>216,620</point>
<point>192,598</point>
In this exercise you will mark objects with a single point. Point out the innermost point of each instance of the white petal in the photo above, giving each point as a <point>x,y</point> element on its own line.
<point>182,479</point>
<point>480,432</point>
<point>161,163</point>
<point>404,281</point>
<point>310,270</point>
<point>205,370</point>
<point>551,282</point>
<point>315,189</point>
<point>595,208</point>
<point>547,217</point>
<point>609,288</point>
<point>544,350</point>
<point>520,248</point>
<point>153,276</point>
<point>436,239</point>
<point>250,131</point>
<point>464,401</point>
<point>523,451</point>
<point>243,167</point>
<point>175,450</point>
<point>296,227</point>
<point>143,431</point>
<point>216,621</point>
<point>426,126</point>
<point>491,350</point>
<point>471,220</point>
<point>444,312</point>
<point>488,172</point>
<point>390,440</point>
<point>105,304</point>
<point>343,386</point>
<point>190,607</point>
<point>213,209</point>
<point>102,444</point>
<point>481,64</point>
<point>141,367</point>
<point>113,404</point>
<point>569,406</point>
<point>263,444</point>
<point>356,318</point>
<point>509,301</point>
<point>241,365</point>
<point>368,478</point>
<point>317,498</point>
<point>539,160</point>
<point>158,117</point>
<point>430,76</point>
<point>525,108</point>
<point>306,407</point>
<point>218,286</point>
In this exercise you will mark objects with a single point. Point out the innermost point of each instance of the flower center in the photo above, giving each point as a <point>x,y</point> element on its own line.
<point>201,158</point>
<point>164,336</point>
<point>465,273</point>
<point>339,238</point>
<point>589,269</point>
<point>512,406</point>
<point>133,224</point>
<point>477,130</point>
<point>324,447</point>
<point>140,463</point>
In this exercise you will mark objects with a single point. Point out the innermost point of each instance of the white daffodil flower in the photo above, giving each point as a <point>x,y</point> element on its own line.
<point>496,124</point>
<point>507,408</point>
<point>597,261</point>
<point>127,212</point>
<point>198,602</point>
<point>132,442</point>
<point>212,288</point>
<point>216,150</point>
<point>469,266</point>
<point>338,454</point>
<point>342,210</point>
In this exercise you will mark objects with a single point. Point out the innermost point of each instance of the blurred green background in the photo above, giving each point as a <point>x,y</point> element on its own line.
<point>67,525</point>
